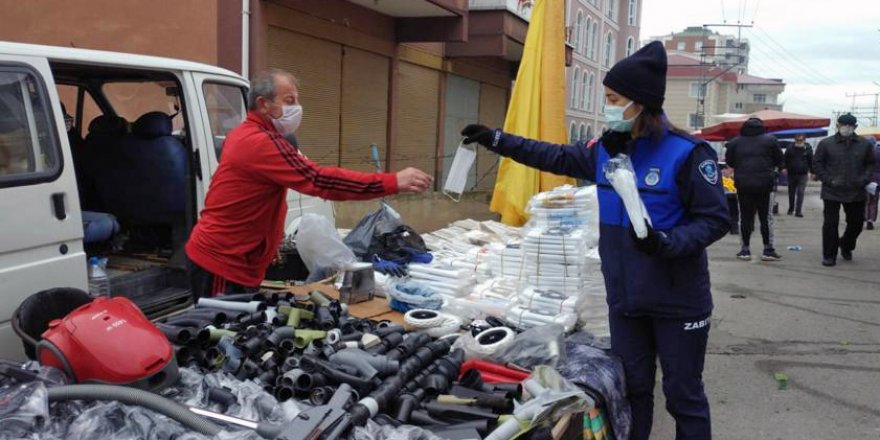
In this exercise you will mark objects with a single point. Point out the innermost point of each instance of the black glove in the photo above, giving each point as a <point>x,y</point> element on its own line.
<point>651,244</point>
<point>616,142</point>
<point>478,133</point>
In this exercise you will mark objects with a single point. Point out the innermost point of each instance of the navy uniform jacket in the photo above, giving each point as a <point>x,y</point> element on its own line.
<point>679,182</point>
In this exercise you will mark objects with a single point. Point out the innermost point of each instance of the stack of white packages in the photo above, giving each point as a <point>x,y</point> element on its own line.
<point>556,269</point>
<point>443,278</point>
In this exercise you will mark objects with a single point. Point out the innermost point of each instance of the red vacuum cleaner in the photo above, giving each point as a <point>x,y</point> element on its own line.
<point>109,340</point>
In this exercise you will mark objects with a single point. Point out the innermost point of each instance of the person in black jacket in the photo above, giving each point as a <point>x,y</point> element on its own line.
<point>798,166</point>
<point>844,163</point>
<point>755,156</point>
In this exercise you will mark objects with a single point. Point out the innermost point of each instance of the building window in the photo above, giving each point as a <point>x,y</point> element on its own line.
<point>583,134</point>
<point>738,106</point>
<point>572,133</point>
<point>574,86</point>
<point>591,91</point>
<point>695,120</point>
<point>589,132</point>
<point>586,36</point>
<point>698,46</point>
<point>610,11</point>
<point>632,12</point>
<point>585,90</point>
<point>609,49</point>
<point>594,40</point>
<point>630,46</point>
<point>760,98</point>
<point>680,46</point>
<point>740,87</point>
<point>697,90</point>
<point>578,32</point>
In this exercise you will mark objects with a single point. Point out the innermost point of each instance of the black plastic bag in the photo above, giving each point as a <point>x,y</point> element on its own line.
<point>361,239</point>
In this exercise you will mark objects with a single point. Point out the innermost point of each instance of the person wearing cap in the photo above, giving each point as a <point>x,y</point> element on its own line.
<point>798,165</point>
<point>657,286</point>
<point>843,163</point>
<point>755,157</point>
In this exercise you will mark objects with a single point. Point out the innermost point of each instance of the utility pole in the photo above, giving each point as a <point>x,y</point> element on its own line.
<point>703,89</point>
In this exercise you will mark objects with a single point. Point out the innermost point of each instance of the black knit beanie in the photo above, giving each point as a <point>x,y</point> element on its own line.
<point>641,76</point>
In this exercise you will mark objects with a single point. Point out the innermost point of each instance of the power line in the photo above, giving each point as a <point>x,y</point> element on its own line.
<point>806,69</point>
<point>755,15</point>
<point>793,57</point>
<point>723,18</point>
<point>745,11</point>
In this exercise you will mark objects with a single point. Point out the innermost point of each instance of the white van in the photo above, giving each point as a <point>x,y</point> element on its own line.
<point>108,154</point>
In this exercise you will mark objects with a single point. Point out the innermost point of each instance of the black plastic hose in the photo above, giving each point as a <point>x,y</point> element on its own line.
<point>134,396</point>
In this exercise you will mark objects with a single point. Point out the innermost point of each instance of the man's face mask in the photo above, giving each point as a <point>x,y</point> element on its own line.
<point>291,117</point>
<point>846,130</point>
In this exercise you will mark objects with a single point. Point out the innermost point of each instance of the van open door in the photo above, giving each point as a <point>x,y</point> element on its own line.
<point>41,243</point>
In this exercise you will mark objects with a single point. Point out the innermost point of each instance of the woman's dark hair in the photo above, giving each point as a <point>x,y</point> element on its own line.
<point>651,124</point>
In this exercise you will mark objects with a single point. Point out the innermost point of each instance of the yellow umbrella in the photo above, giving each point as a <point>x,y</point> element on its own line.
<point>536,111</point>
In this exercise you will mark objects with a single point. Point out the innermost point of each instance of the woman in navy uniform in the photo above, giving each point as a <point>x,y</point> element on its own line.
<point>658,286</point>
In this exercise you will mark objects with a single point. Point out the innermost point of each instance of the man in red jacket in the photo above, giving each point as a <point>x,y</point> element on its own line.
<point>242,224</point>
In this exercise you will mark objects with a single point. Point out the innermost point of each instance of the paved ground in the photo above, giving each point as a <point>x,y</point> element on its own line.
<point>819,326</point>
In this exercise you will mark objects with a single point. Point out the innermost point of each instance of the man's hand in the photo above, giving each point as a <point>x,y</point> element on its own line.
<point>651,244</point>
<point>615,142</point>
<point>477,133</point>
<point>413,180</point>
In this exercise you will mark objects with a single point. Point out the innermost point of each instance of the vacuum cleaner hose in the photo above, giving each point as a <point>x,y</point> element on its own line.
<point>133,396</point>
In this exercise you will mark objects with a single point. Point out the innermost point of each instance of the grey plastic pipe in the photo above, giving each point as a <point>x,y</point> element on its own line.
<point>249,307</point>
<point>133,396</point>
<point>368,365</point>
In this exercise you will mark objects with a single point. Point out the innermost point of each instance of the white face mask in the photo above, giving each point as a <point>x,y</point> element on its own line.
<point>846,130</point>
<point>456,180</point>
<point>614,116</point>
<point>288,122</point>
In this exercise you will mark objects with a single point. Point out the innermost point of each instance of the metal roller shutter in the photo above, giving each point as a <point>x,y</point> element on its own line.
<point>462,108</point>
<point>317,65</point>
<point>419,90</point>
<point>493,107</point>
<point>364,108</point>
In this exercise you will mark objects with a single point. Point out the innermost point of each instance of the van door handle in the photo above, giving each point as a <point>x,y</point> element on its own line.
<point>58,206</point>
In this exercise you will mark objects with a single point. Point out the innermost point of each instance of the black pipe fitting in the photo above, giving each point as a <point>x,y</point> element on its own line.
<point>177,335</point>
<point>221,396</point>
<point>321,395</point>
<point>189,322</point>
<point>352,336</point>
<point>446,411</point>
<point>268,377</point>
<point>279,334</point>
<point>324,319</point>
<point>390,341</point>
<point>290,363</point>
<point>250,346</point>
<point>383,331</point>
<point>252,318</point>
<point>283,393</point>
<point>306,382</point>
<point>313,365</point>
<point>217,317</point>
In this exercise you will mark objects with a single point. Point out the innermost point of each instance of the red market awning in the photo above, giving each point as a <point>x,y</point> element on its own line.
<point>774,120</point>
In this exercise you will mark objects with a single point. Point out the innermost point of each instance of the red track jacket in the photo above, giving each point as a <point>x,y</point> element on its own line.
<point>242,224</point>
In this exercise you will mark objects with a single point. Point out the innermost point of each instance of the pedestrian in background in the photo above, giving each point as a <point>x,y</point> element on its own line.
<point>755,158</point>
<point>798,166</point>
<point>871,203</point>
<point>844,163</point>
<point>658,286</point>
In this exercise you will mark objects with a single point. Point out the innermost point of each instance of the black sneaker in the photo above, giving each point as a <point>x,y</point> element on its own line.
<point>870,226</point>
<point>790,212</point>
<point>744,255</point>
<point>770,255</point>
<point>828,262</point>
<point>798,214</point>
<point>846,254</point>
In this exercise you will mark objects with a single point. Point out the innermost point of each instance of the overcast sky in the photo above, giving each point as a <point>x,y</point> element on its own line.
<point>822,50</point>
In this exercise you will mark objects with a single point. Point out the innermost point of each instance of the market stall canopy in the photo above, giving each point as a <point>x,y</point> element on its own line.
<point>869,131</point>
<point>774,120</point>
<point>807,132</point>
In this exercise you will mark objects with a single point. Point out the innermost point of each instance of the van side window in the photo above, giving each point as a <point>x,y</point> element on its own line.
<point>29,151</point>
<point>226,109</point>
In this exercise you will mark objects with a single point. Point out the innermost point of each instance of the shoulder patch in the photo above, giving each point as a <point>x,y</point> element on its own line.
<point>709,171</point>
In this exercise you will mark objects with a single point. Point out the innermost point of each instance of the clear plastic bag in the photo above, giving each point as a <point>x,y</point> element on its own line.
<point>373,225</point>
<point>23,407</point>
<point>320,246</point>
<point>407,295</point>
<point>374,431</point>
<point>619,171</point>
<point>543,345</point>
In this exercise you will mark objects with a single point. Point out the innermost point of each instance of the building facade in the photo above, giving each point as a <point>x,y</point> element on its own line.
<point>700,95</point>
<point>404,75</point>
<point>715,48</point>
<point>600,32</point>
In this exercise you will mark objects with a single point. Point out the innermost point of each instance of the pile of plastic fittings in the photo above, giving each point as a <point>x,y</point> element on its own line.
<point>308,349</point>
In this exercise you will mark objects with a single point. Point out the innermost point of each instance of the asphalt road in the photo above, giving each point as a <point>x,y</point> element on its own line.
<point>819,326</point>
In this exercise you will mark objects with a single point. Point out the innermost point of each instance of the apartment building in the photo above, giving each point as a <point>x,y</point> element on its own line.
<point>715,48</point>
<point>601,32</point>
